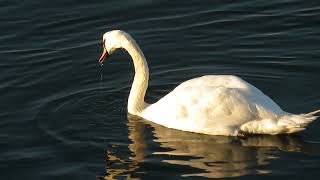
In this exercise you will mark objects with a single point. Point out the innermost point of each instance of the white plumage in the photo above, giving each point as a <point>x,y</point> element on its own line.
<point>212,104</point>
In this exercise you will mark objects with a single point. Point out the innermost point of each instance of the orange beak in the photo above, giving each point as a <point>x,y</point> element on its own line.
<point>104,54</point>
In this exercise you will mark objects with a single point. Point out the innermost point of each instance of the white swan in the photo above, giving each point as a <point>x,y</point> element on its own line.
<point>213,104</point>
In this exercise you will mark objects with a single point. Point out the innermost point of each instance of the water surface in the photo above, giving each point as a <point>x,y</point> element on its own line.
<point>59,120</point>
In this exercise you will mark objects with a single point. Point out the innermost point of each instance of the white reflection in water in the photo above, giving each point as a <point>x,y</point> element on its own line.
<point>212,156</point>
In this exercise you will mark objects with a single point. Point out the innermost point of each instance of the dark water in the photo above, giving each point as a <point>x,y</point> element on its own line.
<point>60,121</point>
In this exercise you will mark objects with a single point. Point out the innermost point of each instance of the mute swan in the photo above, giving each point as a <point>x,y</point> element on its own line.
<point>212,104</point>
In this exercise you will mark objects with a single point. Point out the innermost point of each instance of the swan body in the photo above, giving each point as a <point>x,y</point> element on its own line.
<point>211,104</point>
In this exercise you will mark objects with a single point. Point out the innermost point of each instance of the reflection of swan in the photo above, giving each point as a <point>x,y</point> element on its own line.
<point>208,156</point>
<point>215,104</point>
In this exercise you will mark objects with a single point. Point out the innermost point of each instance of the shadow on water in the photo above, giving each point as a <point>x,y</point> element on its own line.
<point>203,155</point>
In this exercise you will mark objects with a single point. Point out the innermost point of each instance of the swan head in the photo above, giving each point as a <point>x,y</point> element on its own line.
<point>111,41</point>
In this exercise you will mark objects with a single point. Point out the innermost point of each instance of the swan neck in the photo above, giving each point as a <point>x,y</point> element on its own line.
<point>138,90</point>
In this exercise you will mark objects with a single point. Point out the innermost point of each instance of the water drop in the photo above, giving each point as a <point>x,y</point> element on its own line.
<point>101,79</point>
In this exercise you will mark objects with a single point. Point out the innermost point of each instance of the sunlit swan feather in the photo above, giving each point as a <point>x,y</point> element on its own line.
<point>212,104</point>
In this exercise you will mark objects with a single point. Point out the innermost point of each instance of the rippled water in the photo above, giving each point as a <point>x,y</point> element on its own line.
<point>59,120</point>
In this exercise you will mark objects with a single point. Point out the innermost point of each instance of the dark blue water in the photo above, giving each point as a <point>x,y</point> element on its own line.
<point>60,121</point>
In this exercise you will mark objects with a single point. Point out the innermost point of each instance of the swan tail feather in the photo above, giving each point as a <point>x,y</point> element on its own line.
<point>285,124</point>
<point>295,123</point>
<point>312,113</point>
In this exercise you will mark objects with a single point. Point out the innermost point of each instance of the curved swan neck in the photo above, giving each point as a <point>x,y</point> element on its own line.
<point>140,83</point>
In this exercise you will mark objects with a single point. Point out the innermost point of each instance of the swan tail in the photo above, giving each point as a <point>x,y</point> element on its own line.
<point>295,123</point>
<point>313,113</point>
<point>285,124</point>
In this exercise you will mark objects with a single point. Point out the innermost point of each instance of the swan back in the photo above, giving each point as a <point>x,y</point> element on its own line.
<point>213,104</point>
